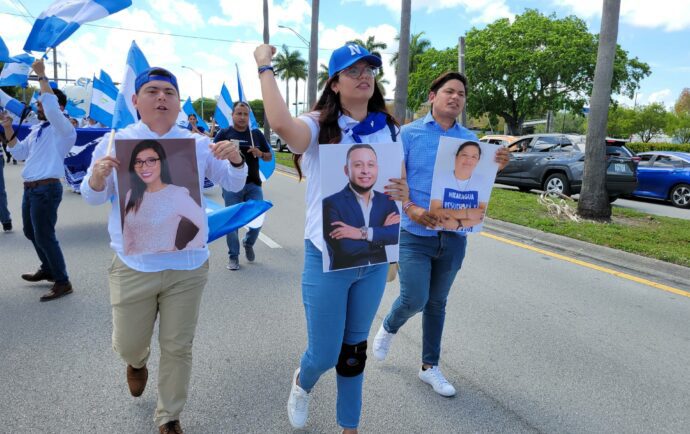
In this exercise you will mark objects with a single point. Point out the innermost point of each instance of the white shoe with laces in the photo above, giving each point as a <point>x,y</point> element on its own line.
<point>382,343</point>
<point>298,404</point>
<point>433,377</point>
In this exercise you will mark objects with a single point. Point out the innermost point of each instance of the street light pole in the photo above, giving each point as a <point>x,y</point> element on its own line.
<point>311,77</point>
<point>201,79</point>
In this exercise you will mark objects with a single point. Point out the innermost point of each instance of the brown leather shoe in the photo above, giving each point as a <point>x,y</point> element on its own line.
<point>38,276</point>
<point>136,380</point>
<point>172,427</point>
<point>57,291</point>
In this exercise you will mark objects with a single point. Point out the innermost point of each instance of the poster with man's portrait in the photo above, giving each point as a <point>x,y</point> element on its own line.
<point>361,224</point>
<point>160,197</point>
<point>464,174</point>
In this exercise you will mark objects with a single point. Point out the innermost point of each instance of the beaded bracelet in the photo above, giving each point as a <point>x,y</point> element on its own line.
<point>407,205</point>
<point>265,68</point>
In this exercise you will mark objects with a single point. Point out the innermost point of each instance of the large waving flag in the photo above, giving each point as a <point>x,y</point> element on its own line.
<point>240,94</point>
<point>188,108</point>
<point>105,78</point>
<point>73,110</point>
<point>103,97</point>
<point>224,220</point>
<point>10,104</point>
<point>223,114</point>
<point>63,17</point>
<point>34,100</point>
<point>5,54</point>
<point>125,113</point>
<point>17,74</point>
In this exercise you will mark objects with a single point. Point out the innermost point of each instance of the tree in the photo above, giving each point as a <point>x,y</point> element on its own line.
<point>566,122</point>
<point>432,63</point>
<point>621,122</point>
<point>313,54</point>
<point>373,46</point>
<point>683,103</point>
<point>289,64</point>
<point>418,45</point>
<point>650,120</point>
<point>594,202</point>
<point>299,74</point>
<point>679,126</point>
<point>257,106</point>
<point>323,76</point>
<point>538,63</point>
<point>209,107</point>
<point>402,75</point>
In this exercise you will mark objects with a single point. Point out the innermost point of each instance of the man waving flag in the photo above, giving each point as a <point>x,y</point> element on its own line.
<point>63,17</point>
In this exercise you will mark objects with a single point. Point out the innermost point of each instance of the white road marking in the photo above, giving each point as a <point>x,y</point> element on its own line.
<point>269,242</point>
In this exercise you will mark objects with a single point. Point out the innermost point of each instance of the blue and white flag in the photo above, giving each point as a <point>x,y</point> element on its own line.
<point>34,100</point>
<point>188,108</point>
<point>10,104</point>
<point>73,110</point>
<point>5,54</point>
<point>103,97</point>
<point>17,74</point>
<point>240,93</point>
<point>224,220</point>
<point>223,114</point>
<point>105,78</point>
<point>63,17</point>
<point>125,113</point>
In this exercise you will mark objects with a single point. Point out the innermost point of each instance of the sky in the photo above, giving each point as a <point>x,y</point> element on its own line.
<point>211,36</point>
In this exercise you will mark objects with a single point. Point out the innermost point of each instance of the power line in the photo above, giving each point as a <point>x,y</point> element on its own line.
<point>22,15</point>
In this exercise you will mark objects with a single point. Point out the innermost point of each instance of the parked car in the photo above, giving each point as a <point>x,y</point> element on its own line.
<point>277,142</point>
<point>665,176</point>
<point>499,139</point>
<point>616,147</point>
<point>555,162</point>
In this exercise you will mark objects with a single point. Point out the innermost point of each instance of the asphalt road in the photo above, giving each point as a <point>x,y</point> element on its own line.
<point>532,343</point>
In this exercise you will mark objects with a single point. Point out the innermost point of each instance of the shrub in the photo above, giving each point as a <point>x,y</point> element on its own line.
<point>645,147</point>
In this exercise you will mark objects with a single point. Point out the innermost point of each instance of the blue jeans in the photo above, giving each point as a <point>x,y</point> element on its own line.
<point>340,307</point>
<point>428,266</point>
<point>249,191</point>
<point>4,211</point>
<point>39,215</point>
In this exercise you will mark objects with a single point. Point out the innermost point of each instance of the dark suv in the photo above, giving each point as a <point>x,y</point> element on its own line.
<point>555,162</point>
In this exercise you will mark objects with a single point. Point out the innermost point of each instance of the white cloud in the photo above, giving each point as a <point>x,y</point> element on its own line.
<point>671,15</point>
<point>663,96</point>
<point>487,10</point>
<point>177,12</point>
<point>14,32</point>
<point>293,13</point>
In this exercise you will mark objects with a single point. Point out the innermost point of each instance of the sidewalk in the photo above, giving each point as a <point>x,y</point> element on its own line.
<point>666,273</point>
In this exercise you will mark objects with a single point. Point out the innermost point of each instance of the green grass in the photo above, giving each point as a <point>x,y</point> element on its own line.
<point>663,238</point>
<point>284,158</point>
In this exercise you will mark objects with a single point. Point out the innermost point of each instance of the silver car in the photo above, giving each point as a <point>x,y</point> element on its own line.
<point>277,142</point>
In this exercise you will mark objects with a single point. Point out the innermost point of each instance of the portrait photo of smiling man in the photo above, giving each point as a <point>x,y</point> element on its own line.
<point>359,222</point>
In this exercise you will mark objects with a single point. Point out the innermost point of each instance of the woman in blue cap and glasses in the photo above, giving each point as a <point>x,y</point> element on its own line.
<point>340,305</point>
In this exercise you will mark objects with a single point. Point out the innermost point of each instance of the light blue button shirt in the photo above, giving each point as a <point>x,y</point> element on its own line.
<point>420,144</point>
<point>45,148</point>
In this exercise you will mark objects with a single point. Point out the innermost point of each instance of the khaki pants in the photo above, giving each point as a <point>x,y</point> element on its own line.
<point>137,298</point>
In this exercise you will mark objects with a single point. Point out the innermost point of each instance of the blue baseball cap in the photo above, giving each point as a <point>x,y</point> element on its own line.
<point>348,55</point>
<point>153,74</point>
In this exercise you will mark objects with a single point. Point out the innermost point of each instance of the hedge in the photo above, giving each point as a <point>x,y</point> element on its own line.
<point>645,147</point>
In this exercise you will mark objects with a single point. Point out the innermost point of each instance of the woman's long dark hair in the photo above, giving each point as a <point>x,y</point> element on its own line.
<point>330,108</point>
<point>137,186</point>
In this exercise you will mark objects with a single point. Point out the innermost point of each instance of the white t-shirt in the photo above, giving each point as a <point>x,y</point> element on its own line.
<point>313,228</point>
<point>476,184</point>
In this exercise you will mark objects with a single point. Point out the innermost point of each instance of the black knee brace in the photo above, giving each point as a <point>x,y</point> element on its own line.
<point>352,359</point>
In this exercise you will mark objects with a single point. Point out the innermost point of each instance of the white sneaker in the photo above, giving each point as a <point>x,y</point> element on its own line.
<point>298,404</point>
<point>382,343</point>
<point>435,379</point>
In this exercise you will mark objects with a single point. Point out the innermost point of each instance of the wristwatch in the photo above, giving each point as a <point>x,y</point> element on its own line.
<point>363,231</point>
<point>43,78</point>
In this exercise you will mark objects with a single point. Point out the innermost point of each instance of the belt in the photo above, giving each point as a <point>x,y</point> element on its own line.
<point>34,184</point>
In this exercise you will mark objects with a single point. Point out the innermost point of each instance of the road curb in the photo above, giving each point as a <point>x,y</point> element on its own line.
<point>636,265</point>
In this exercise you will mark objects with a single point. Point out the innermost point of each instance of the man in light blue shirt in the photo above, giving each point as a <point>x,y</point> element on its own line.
<point>44,150</point>
<point>429,258</point>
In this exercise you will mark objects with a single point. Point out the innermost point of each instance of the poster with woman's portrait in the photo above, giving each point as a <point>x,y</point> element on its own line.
<point>361,224</point>
<point>464,174</point>
<point>160,197</point>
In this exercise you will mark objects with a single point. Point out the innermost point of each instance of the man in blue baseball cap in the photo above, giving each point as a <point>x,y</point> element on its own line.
<point>165,285</point>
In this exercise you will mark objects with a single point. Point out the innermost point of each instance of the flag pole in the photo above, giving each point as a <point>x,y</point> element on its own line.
<point>110,142</point>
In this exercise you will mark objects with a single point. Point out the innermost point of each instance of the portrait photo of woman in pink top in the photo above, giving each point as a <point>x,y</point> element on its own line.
<point>155,207</point>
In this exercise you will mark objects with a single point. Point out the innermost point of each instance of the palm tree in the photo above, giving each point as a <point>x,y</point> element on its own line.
<point>594,201</point>
<point>403,59</point>
<point>313,54</point>
<point>323,76</point>
<point>374,47</point>
<point>299,74</point>
<point>289,64</point>
<point>418,45</point>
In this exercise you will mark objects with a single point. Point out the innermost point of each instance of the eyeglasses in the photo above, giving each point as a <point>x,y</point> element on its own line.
<point>149,162</point>
<point>356,71</point>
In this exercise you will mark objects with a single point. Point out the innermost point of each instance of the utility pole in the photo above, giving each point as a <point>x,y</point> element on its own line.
<point>55,65</point>
<point>461,67</point>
